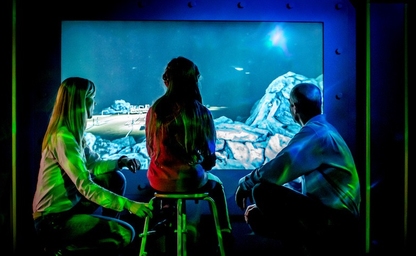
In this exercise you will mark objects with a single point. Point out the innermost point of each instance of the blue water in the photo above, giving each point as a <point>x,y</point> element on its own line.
<point>237,60</point>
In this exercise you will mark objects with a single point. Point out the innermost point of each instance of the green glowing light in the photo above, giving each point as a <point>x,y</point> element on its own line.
<point>13,195</point>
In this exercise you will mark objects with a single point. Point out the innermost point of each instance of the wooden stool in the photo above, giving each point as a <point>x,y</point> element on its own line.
<point>181,228</point>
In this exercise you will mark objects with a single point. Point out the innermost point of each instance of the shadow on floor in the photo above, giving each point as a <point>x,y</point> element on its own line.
<point>202,240</point>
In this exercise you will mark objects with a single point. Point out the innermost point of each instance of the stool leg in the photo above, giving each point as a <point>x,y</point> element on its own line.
<point>144,237</point>
<point>145,234</point>
<point>184,229</point>
<point>181,228</point>
<point>217,224</point>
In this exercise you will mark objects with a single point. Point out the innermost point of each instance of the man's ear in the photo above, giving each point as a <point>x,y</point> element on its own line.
<point>295,109</point>
<point>296,114</point>
<point>299,109</point>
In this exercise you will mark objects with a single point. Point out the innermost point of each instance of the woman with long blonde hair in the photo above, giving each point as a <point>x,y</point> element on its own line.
<point>73,181</point>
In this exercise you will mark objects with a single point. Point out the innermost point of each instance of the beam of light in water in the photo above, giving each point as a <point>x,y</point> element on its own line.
<point>278,39</point>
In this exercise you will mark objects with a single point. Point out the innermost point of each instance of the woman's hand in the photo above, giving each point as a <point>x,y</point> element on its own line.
<point>139,208</point>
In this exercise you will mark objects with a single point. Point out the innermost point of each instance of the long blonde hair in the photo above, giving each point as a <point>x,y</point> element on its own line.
<point>70,109</point>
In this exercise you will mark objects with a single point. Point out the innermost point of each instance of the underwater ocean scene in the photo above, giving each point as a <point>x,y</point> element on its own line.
<point>247,71</point>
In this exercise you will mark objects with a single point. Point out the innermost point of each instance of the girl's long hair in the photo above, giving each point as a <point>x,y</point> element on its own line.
<point>180,113</point>
<point>181,77</point>
<point>69,109</point>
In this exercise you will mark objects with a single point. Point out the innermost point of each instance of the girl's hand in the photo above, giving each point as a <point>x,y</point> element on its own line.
<point>132,164</point>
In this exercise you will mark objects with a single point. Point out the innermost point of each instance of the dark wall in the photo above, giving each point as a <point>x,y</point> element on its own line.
<point>38,72</point>
<point>6,121</point>
<point>382,92</point>
<point>388,170</point>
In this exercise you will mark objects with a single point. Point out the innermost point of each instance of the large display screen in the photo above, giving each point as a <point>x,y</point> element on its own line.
<point>247,70</point>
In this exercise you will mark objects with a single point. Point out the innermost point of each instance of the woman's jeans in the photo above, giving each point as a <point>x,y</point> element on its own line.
<point>79,228</point>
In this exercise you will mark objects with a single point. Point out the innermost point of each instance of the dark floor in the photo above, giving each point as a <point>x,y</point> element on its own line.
<point>202,240</point>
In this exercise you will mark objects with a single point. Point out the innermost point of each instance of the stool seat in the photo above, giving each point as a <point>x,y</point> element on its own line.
<point>181,228</point>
